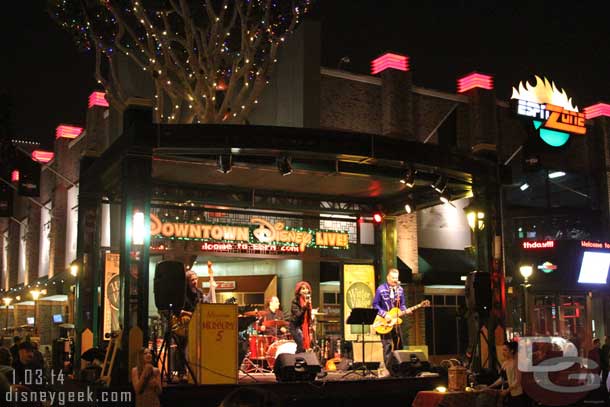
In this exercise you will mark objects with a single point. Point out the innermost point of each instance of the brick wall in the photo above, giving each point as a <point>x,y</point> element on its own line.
<point>349,105</point>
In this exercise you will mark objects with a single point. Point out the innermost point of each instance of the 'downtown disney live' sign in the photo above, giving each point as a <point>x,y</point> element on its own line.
<point>259,232</point>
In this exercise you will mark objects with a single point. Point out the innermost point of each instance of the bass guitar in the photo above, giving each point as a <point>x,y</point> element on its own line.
<point>383,326</point>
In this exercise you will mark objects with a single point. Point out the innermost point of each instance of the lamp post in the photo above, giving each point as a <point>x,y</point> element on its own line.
<point>526,271</point>
<point>7,301</point>
<point>35,294</point>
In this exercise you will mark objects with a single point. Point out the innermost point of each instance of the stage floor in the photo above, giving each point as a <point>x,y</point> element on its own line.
<point>335,389</point>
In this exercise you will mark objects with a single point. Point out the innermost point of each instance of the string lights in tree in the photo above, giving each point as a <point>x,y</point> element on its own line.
<point>209,60</point>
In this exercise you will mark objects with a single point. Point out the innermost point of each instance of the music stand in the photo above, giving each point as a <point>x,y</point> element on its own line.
<point>362,317</point>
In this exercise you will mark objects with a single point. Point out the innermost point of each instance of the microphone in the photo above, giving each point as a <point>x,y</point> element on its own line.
<point>308,297</point>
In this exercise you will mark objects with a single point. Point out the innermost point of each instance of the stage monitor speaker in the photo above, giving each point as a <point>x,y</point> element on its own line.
<point>406,363</point>
<point>478,293</point>
<point>298,367</point>
<point>169,285</point>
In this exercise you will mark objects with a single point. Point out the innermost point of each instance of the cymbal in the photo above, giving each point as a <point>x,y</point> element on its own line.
<point>276,323</point>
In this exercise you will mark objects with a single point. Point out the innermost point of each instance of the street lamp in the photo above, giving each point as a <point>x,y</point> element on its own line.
<point>475,216</point>
<point>526,271</point>
<point>74,268</point>
<point>7,301</point>
<point>35,294</point>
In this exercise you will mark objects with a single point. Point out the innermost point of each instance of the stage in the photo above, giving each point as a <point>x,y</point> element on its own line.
<point>335,389</point>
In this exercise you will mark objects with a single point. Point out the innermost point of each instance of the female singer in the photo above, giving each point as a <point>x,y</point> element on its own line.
<point>300,318</point>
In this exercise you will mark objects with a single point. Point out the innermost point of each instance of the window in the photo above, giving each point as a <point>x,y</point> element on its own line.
<point>71,225</point>
<point>45,239</point>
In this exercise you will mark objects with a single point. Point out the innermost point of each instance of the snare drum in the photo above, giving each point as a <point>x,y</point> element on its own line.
<point>259,345</point>
<point>278,347</point>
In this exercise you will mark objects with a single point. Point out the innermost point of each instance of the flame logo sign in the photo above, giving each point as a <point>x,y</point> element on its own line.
<point>544,92</point>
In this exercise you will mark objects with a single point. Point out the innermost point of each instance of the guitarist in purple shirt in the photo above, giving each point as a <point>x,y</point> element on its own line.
<point>387,296</point>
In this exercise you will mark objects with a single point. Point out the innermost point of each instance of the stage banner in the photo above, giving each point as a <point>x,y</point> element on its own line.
<point>358,292</point>
<point>212,344</point>
<point>111,293</point>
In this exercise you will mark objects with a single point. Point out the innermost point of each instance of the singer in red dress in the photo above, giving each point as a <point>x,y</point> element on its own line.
<point>300,316</point>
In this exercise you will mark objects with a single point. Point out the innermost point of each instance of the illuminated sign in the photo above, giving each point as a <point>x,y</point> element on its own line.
<point>547,244</point>
<point>551,111</point>
<point>475,80</point>
<point>547,267</point>
<point>386,61</point>
<point>42,156</point>
<point>221,285</point>
<point>261,235</point>
<point>594,245</point>
<point>65,131</point>
<point>97,99</point>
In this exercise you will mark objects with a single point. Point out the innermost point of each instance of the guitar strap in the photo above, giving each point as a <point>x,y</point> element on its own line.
<point>397,326</point>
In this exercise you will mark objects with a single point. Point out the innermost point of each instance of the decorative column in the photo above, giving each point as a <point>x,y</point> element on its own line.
<point>396,95</point>
<point>136,184</point>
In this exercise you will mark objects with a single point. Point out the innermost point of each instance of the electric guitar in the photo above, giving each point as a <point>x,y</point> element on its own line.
<point>179,324</point>
<point>382,326</point>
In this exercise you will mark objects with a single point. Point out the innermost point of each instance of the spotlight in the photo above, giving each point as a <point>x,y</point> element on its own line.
<point>440,184</point>
<point>410,205</point>
<point>524,186</point>
<point>409,177</point>
<point>377,217</point>
<point>556,174</point>
<point>445,197</point>
<point>224,164</point>
<point>283,165</point>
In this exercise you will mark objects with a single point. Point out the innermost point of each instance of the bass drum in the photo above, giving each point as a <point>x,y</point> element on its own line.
<point>278,347</point>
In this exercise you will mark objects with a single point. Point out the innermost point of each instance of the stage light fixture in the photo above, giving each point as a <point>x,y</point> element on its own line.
<point>440,184</point>
<point>283,165</point>
<point>556,174</point>
<point>410,205</point>
<point>445,197</point>
<point>377,217</point>
<point>408,178</point>
<point>524,186</point>
<point>224,164</point>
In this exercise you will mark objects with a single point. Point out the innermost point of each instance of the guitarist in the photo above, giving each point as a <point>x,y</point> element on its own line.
<point>387,296</point>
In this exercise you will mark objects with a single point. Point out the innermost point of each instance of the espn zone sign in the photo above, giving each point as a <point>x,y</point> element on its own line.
<point>556,117</point>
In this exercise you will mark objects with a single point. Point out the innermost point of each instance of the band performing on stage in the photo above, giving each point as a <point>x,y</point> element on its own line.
<point>265,334</point>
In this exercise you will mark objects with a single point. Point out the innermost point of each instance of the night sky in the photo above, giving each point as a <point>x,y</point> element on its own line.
<point>49,80</point>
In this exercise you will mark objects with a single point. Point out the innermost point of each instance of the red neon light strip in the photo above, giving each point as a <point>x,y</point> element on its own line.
<point>600,109</point>
<point>42,156</point>
<point>394,61</point>
<point>475,80</point>
<point>97,99</point>
<point>15,176</point>
<point>64,131</point>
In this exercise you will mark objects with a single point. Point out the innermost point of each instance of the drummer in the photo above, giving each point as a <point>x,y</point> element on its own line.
<point>272,321</point>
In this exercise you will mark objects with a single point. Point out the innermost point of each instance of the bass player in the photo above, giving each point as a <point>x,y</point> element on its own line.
<point>387,296</point>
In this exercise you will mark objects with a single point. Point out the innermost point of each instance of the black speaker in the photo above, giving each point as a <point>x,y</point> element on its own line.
<point>406,363</point>
<point>170,285</point>
<point>299,367</point>
<point>478,293</point>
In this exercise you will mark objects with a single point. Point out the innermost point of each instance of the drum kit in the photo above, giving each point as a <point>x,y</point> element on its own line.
<point>264,349</point>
